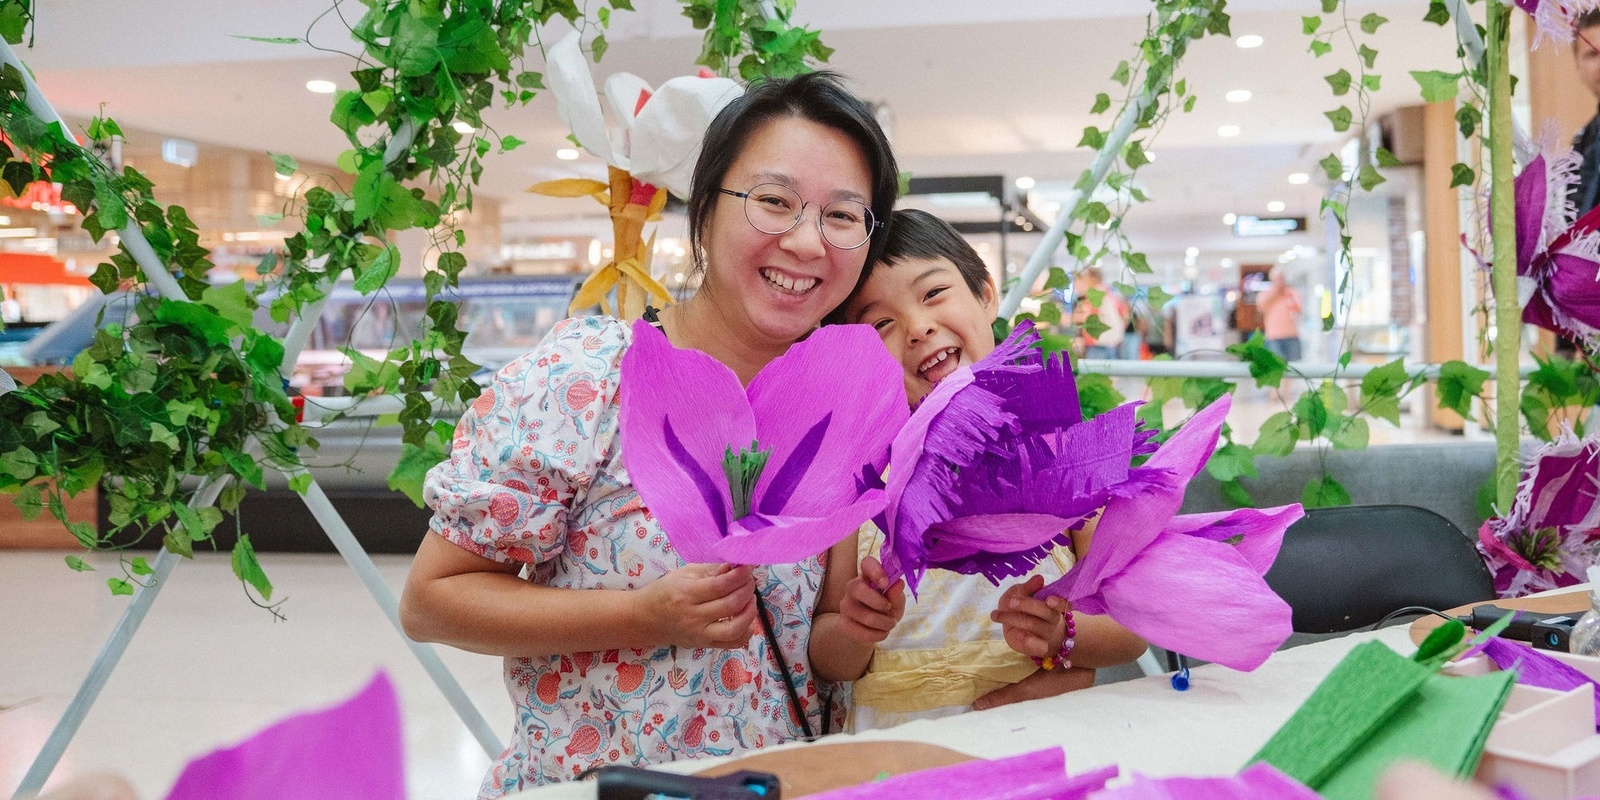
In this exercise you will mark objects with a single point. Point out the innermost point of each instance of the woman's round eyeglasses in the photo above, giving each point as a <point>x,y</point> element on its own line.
<point>775,209</point>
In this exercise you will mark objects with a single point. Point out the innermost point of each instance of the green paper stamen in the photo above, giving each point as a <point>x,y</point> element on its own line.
<point>744,469</point>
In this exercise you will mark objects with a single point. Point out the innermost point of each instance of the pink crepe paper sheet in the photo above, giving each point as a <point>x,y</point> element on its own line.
<point>826,410</point>
<point>351,751</point>
<point>1191,584</point>
<point>1040,775</point>
<point>1259,781</point>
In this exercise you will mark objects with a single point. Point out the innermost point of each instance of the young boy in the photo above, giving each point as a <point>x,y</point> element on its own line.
<point>932,301</point>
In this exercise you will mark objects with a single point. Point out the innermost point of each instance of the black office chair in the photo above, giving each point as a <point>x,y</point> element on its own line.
<point>1349,567</point>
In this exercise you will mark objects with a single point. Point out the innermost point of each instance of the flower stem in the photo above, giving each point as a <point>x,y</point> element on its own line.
<point>1508,316</point>
<point>743,469</point>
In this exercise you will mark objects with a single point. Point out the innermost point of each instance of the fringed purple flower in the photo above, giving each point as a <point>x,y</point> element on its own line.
<point>1558,259</point>
<point>1555,21</point>
<point>763,474</point>
<point>1150,570</point>
<point>1548,539</point>
<point>997,464</point>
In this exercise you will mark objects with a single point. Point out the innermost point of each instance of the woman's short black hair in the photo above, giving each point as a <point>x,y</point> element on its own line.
<point>918,234</point>
<point>819,97</point>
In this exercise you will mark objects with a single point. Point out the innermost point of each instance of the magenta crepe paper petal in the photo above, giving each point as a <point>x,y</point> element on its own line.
<point>978,778</point>
<point>1259,781</point>
<point>349,752</point>
<point>1559,255</point>
<point>824,410</point>
<point>845,370</point>
<point>991,533</point>
<point>1546,541</point>
<point>1537,669</point>
<point>1257,550</point>
<point>787,539</point>
<point>1554,21</point>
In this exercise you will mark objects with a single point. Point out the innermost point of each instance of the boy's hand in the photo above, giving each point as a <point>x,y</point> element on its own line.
<point>702,605</point>
<point>871,607</point>
<point>1032,627</point>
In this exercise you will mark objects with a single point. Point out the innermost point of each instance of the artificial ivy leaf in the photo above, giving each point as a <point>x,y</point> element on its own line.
<point>1339,81</point>
<point>1368,55</point>
<point>509,143</point>
<point>196,523</point>
<point>1312,413</point>
<point>1277,436</point>
<point>111,212</point>
<point>1380,390</point>
<point>248,569</point>
<point>1441,640</point>
<point>413,466</point>
<point>213,329</point>
<point>1461,175</point>
<point>468,44</point>
<point>1097,395</point>
<point>1050,314</point>
<point>1350,433</point>
<point>599,47</point>
<point>1093,326</point>
<point>414,48</point>
<point>1324,492</point>
<point>1188,104</point>
<point>232,302</point>
<point>1437,86</point>
<point>160,434</point>
<point>300,483</point>
<point>284,165</point>
<point>1231,462</point>
<point>1320,48</point>
<point>1309,25</point>
<point>1058,278</point>
<point>264,353</point>
<point>119,586</point>
<point>1340,117</point>
<point>1371,22</point>
<point>13,21</point>
<point>378,273</point>
<point>1369,177</point>
<point>1201,392</point>
<point>1102,101</point>
<point>1092,138</point>
<point>531,80</point>
<point>178,545</point>
<point>29,501</point>
<point>1139,264</point>
<point>139,566</point>
<point>1122,73</point>
<point>1266,366</point>
<point>1134,155</point>
<point>77,564</point>
<point>1438,13</point>
<point>40,424</point>
<point>1459,382</point>
<point>1386,158</point>
<point>1330,6</point>
<point>21,464</point>
<point>1332,167</point>
<point>1467,119</point>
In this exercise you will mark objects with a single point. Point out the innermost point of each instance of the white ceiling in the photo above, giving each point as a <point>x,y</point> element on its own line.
<point>975,88</point>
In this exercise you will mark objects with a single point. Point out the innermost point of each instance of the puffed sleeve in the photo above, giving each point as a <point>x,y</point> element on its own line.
<point>529,446</point>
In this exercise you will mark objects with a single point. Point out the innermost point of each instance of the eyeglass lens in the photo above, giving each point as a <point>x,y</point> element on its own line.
<point>773,208</point>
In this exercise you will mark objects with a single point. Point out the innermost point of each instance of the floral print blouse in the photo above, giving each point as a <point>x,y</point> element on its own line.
<point>535,477</point>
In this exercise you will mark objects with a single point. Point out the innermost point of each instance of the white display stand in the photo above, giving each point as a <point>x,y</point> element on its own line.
<point>206,494</point>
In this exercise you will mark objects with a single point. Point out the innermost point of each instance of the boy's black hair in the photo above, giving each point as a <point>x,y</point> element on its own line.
<point>1586,20</point>
<point>920,235</point>
<point>819,97</point>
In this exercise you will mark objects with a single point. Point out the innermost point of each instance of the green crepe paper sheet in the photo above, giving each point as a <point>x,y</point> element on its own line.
<point>1376,707</point>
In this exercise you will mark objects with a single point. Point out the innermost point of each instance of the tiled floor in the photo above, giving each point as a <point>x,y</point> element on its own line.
<point>208,669</point>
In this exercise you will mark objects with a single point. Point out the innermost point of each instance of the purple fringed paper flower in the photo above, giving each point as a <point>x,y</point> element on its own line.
<point>1153,571</point>
<point>1259,781</point>
<point>1558,259</point>
<point>997,464</point>
<point>1554,21</point>
<point>1548,539</point>
<point>350,751</point>
<point>763,474</point>
<point>1040,775</point>
<point>1537,669</point>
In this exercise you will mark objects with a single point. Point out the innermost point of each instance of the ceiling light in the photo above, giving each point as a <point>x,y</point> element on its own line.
<point>1248,41</point>
<point>1191,252</point>
<point>1298,178</point>
<point>1024,183</point>
<point>1238,96</point>
<point>1228,131</point>
<point>1230,218</point>
<point>321,86</point>
<point>567,154</point>
<point>463,127</point>
<point>1275,206</point>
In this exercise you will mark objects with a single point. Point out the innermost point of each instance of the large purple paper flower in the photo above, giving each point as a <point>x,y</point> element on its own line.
<point>1548,539</point>
<point>997,464</point>
<point>1192,583</point>
<point>763,474</point>
<point>1558,259</point>
<point>1554,20</point>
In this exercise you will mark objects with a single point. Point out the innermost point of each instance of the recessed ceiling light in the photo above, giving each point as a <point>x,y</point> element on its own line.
<point>1230,218</point>
<point>1238,96</point>
<point>1191,252</point>
<point>1248,41</point>
<point>567,154</point>
<point>1275,206</point>
<point>321,86</point>
<point>1228,131</point>
<point>1024,183</point>
<point>463,127</point>
<point>1298,178</point>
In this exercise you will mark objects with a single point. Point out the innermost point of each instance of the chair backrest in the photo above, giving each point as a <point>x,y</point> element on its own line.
<point>1348,567</point>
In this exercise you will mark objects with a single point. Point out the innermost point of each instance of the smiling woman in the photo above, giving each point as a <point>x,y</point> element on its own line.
<point>547,555</point>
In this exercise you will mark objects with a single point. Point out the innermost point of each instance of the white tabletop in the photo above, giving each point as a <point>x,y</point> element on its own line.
<point>1140,725</point>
